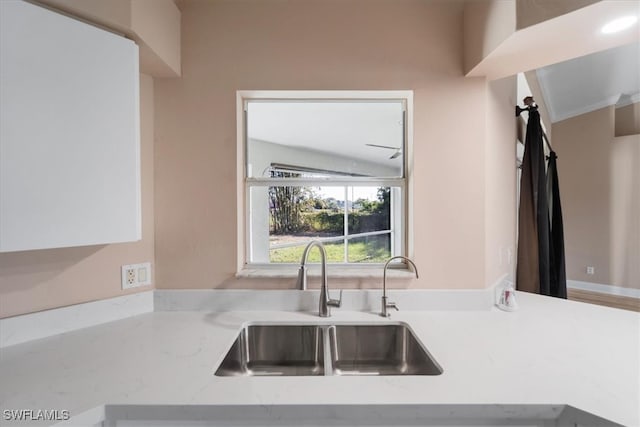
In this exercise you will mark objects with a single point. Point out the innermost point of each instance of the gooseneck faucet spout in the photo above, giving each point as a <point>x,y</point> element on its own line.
<point>385,303</point>
<point>324,309</point>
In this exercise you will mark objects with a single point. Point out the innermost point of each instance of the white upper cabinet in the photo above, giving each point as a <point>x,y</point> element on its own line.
<point>69,132</point>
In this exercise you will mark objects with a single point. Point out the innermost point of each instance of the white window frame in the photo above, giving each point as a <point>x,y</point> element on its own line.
<point>245,183</point>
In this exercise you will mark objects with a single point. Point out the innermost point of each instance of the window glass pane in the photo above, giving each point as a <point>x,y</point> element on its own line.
<point>305,213</point>
<point>365,249</point>
<point>369,209</point>
<point>318,138</point>
<point>298,215</point>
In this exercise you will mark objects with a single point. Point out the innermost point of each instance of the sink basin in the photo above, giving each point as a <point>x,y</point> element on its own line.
<point>271,350</point>
<point>355,349</point>
<point>387,349</point>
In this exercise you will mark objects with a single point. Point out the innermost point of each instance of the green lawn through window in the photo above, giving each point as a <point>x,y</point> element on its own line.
<point>359,251</point>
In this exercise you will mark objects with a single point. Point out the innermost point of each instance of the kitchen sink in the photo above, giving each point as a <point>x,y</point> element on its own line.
<point>379,350</point>
<point>327,349</point>
<point>270,350</point>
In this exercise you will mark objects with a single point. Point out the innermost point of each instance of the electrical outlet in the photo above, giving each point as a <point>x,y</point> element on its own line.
<point>590,270</point>
<point>134,275</point>
<point>131,276</point>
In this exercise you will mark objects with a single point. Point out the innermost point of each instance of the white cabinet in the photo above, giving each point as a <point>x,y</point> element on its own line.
<point>69,132</point>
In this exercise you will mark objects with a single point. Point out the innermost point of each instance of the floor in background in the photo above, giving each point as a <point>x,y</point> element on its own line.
<point>625,303</point>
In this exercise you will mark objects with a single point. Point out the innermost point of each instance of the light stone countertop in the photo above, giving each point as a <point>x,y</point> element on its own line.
<point>549,352</point>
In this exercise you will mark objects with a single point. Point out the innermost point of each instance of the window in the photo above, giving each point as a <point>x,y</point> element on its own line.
<point>328,166</point>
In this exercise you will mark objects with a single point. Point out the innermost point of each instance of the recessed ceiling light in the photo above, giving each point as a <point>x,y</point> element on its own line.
<point>619,24</point>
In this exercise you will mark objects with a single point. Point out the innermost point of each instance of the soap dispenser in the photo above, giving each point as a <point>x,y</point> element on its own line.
<point>507,300</point>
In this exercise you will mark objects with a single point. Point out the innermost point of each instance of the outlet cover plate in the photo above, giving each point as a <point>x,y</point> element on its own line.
<point>134,275</point>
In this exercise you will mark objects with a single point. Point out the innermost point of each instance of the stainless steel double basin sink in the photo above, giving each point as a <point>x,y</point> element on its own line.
<point>315,350</point>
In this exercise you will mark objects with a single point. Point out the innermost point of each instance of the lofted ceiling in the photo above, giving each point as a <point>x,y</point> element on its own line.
<point>591,82</point>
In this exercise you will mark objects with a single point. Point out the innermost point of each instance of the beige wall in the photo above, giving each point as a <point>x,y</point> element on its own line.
<point>500,175</point>
<point>627,120</point>
<point>38,280</point>
<point>487,24</point>
<point>156,24</point>
<point>600,189</point>
<point>319,44</point>
<point>625,211</point>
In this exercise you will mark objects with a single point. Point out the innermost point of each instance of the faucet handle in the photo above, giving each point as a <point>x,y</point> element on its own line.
<point>335,302</point>
<point>387,304</point>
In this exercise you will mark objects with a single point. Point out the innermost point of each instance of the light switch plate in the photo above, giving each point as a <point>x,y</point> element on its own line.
<point>134,275</point>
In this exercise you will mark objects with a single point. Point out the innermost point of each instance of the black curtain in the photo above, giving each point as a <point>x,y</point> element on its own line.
<point>540,266</point>
<point>558,276</point>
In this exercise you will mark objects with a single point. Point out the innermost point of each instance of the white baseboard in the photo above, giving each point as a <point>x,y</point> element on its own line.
<point>603,289</point>
<point>27,327</point>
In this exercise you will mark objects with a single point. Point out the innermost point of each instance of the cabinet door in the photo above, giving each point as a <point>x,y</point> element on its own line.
<point>69,132</point>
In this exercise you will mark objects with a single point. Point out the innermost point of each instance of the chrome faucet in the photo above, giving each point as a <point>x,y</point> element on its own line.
<point>385,303</point>
<point>326,303</point>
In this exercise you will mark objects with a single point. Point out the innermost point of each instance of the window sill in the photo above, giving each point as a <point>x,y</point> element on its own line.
<point>334,272</point>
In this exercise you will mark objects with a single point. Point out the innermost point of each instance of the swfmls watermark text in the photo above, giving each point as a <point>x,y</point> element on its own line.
<point>35,414</point>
